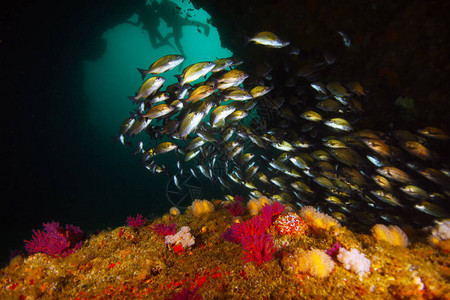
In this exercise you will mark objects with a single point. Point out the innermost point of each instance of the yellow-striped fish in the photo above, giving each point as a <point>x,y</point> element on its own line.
<point>165,63</point>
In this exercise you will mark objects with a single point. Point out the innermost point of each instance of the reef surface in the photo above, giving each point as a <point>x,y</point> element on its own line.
<point>137,262</point>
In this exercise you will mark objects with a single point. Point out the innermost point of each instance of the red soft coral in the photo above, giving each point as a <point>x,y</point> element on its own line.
<point>257,245</point>
<point>136,222</point>
<point>257,248</point>
<point>255,226</point>
<point>236,208</point>
<point>163,229</point>
<point>271,212</point>
<point>54,240</point>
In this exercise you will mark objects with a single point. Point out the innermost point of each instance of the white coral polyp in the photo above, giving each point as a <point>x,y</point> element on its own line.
<point>182,237</point>
<point>442,231</point>
<point>354,261</point>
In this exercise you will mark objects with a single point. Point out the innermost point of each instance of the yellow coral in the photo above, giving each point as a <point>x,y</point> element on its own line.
<point>201,207</point>
<point>399,236</point>
<point>314,262</point>
<point>255,205</point>
<point>392,235</point>
<point>382,233</point>
<point>174,211</point>
<point>316,220</point>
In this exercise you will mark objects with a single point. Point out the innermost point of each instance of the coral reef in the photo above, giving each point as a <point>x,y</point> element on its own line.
<point>163,229</point>
<point>128,263</point>
<point>334,250</point>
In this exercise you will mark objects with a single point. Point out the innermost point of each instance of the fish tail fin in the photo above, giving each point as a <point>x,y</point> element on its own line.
<point>121,138</point>
<point>133,99</point>
<point>137,150</point>
<point>218,144</point>
<point>143,73</point>
<point>115,138</point>
<point>214,82</point>
<point>183,101</point>
<point>246,40</point>
<point>135,114</point>
<point>179,86</point>
<point>222,98</point>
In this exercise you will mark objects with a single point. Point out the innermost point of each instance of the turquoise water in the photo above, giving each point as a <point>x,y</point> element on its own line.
<point>107,82</point>
<point>111,78</point>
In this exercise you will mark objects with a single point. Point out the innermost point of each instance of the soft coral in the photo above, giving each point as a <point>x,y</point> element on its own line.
<point>257,248</point>
<point>255,226</point>
<point>55,240</point>
<point>236,208</point>
<point>163,229</point>
<point>136,222</point>
<point>256,244</point>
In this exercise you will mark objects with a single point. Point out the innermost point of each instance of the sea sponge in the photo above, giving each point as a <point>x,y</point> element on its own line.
<point>393,235</point>
<point>354,261</point>
<point>201,207</point>
<point>255,205</point>
<point>314,262</point>
<point>182,237</point>
<point>318,221</point>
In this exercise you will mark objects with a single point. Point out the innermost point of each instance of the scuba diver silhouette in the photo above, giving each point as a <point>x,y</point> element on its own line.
<point>149,19</point>
<point>169,11</point>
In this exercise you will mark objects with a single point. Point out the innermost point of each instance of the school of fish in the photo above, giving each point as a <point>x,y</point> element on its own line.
<point>279,129</point>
